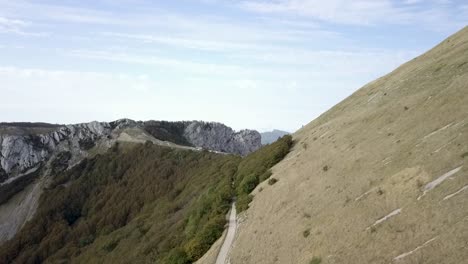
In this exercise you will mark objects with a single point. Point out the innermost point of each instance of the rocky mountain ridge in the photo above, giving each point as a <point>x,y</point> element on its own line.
<point>20,152</point>
<point>31,152</point>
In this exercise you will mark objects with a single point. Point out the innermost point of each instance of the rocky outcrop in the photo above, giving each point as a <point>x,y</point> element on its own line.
<point>218,137</point>
<point>18,153</point>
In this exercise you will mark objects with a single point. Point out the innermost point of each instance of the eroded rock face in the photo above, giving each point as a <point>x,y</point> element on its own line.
<point>21,152</point>
<point>218,137</point>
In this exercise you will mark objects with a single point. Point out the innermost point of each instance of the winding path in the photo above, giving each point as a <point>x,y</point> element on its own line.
<point>223,253</point>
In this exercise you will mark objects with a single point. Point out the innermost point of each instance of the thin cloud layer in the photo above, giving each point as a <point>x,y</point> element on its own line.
<point>367,12</point>
<point>249,60</point>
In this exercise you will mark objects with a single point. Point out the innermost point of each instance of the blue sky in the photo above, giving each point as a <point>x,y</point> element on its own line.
<point>249,64</point>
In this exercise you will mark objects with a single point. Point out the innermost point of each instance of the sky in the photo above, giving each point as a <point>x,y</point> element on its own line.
<point>249,64</point>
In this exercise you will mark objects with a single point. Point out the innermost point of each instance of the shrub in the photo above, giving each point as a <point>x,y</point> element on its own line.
<point>86,241</point>
<point>249,183</point>
<point>265,175</point>
<point>111,245</point>
<point>315,260</point>
<point>306,233</point>
<point>272,181</point>
<point>380,191</point>
<point>177,256</point>
<point>243,201</point>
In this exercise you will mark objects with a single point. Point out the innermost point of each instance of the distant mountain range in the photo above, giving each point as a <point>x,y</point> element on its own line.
<point>271,136</point>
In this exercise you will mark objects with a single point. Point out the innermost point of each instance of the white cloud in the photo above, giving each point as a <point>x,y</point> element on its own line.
<point>412,2</point>
<point>17,26</point>
<point>188,43</point>
<point>11,25</point>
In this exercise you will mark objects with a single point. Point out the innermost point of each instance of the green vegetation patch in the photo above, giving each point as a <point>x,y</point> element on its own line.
<point>315,260</point>
<point>136,205</point>
<point>255,168</point>
<point>167,131</point>
<point>139,203</point>
<point>7,191</point>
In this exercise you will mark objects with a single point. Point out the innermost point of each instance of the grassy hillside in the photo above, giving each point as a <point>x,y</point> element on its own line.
<point>379,178</point>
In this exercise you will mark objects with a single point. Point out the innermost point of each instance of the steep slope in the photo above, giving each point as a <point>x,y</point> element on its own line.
<point>380,178</point>
<point>271,136</point>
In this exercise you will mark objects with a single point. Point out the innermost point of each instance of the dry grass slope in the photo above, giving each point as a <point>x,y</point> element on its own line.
<point>383,148</point>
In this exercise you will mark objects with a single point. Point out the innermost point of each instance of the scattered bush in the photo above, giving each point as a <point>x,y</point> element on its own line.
<point>306,233</point>
<point>325,168</point>
<point>272,181</point>
<point>111,245</point>
<point>60,163</point>
<point>464,155</point>
<point>380,191</point>
<point>243,201</point>
<point>86,144</point>
<point>316,260</point>
<point>265,175</point>
<point>177,256</point>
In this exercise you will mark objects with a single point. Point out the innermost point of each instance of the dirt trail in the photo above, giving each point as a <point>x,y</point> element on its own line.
<point>223,253</point>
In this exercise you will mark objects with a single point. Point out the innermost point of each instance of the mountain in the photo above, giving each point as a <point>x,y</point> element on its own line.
<point>271,136</point>
<point>31,152</point>
<point>134,200</point>
<point>382,177</point>
<point>24,145</point>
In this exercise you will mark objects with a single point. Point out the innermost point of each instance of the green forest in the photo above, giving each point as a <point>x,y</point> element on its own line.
<point>139,203</point>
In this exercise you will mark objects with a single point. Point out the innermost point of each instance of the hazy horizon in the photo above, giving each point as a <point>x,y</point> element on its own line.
<point>248,64</point>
